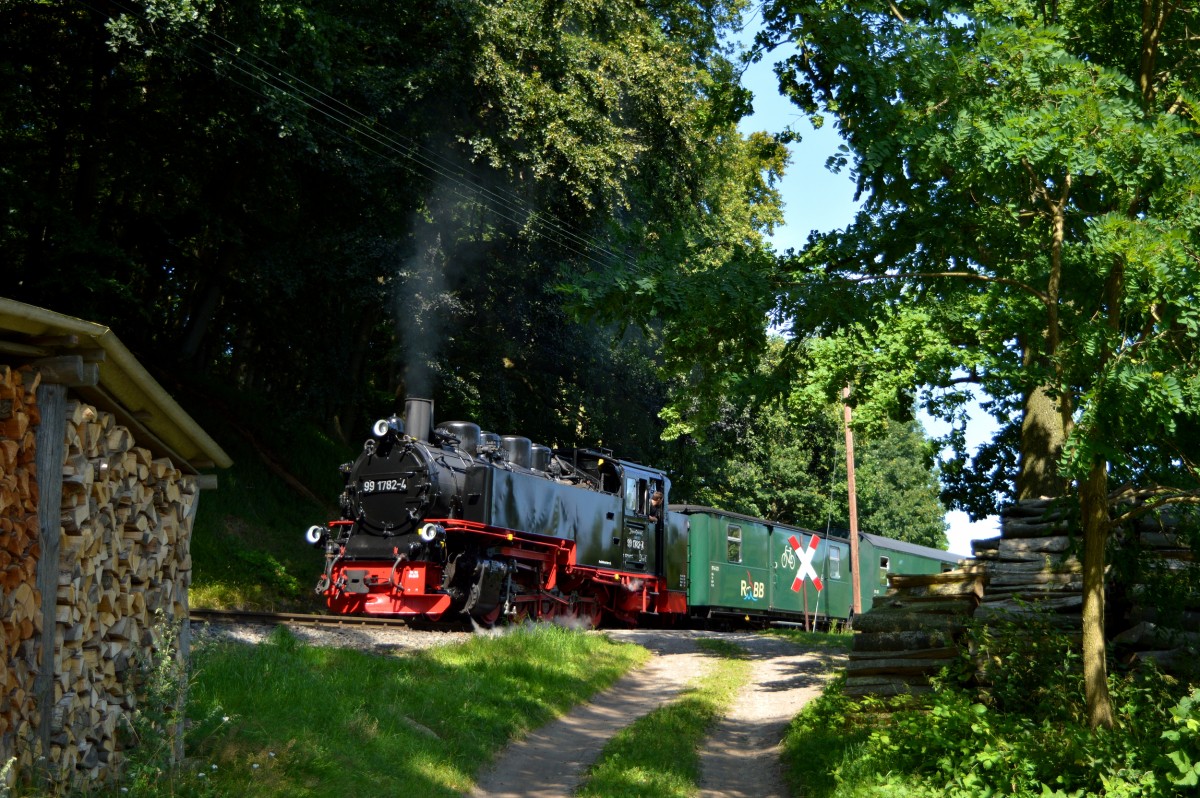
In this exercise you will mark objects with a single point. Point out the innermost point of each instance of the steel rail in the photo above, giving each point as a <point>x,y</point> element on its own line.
<point>197,615</point>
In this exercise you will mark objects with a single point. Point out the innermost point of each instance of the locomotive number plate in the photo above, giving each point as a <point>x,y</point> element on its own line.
<point>384,485</point>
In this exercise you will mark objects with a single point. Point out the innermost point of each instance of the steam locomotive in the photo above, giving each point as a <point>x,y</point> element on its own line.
<point>442,521</point>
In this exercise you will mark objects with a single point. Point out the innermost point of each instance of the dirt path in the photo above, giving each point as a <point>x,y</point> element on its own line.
<point>741,757</point>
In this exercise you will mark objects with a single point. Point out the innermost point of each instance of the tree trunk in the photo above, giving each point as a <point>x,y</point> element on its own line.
<point>1093,501</point>
<point>1042,437</point>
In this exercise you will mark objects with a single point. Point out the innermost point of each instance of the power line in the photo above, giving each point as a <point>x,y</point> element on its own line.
<point>357,128</point>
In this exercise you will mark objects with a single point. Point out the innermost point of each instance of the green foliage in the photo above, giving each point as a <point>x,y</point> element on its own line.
<point>1183,743</point>
<point>1029,206</point>
<point>1028,224</point>
<point>331,204</point>
<point>786,461</point>
<point>1024,736</point>
<point>153,763</point>
<point>820,737</point>
<point>1030,667</point>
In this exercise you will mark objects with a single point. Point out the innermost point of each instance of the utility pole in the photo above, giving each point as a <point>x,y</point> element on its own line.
<point>855,571</point>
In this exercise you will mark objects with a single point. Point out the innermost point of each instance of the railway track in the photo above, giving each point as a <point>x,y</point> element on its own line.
<point>307,619</point>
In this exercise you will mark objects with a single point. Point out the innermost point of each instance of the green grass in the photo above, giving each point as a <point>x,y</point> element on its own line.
<point>658,756</point>
<point>287,719</point>
<point>826,641</point>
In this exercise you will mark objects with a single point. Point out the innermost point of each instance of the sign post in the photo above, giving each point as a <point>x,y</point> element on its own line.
<point>806,571</point>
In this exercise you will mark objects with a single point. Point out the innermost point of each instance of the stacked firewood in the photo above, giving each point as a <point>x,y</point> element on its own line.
<point>1033,566</point>
<point>126,527</point>
<point>124,563</point>
<point>20,603</point>
<point>912,631</point>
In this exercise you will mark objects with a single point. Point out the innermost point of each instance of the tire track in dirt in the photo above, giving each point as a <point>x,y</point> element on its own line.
<point>741,756</point>
<point>550,761</point>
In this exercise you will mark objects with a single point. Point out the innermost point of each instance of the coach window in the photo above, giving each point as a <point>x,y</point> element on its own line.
<point>885,565</point>
<point>733,541</point>
<point>835,563</point>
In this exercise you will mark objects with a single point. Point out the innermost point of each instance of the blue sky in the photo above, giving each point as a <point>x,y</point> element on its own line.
<point>816,199</point>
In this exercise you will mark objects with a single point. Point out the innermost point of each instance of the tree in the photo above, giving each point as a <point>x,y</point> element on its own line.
<point>897,487</point>
<point>785,460</point>
<point>1029,175</point>
<point>319,202</point>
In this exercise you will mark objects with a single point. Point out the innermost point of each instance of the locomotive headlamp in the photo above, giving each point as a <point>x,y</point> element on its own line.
<point>430,532</point>
<point>385,425</point>
<point>315,534</point>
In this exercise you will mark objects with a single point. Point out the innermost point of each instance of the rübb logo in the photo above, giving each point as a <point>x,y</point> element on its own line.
<point>752,590</point>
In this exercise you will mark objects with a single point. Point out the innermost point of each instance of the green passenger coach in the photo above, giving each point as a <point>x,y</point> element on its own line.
<point>764,571</point>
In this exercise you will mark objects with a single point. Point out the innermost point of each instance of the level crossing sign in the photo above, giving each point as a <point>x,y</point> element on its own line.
<point>805,570</point>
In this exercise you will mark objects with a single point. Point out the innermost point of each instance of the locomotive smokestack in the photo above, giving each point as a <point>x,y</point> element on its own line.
<point>418,418</point>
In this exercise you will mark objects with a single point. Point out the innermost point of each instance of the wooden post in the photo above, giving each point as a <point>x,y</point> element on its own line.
<point>49,437</point>
<point>855,579</point>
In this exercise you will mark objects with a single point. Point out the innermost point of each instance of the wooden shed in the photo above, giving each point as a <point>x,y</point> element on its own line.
<point>99,487</point>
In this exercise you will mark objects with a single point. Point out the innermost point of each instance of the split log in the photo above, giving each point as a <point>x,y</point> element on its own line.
<point>1151,635</point>
<point>938,652</point>
<point>896,666</point>
<point>909,621</point>
<point>940,605</point>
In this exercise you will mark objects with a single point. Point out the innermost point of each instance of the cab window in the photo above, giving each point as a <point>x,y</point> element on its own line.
<point>733,543</point>
<point>631,495</point>
<point>636,496</point>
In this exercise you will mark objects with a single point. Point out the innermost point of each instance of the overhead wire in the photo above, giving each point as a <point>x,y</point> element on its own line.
<point>357,128</point>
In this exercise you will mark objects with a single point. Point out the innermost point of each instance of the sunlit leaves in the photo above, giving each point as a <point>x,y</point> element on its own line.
<point>973,133</point>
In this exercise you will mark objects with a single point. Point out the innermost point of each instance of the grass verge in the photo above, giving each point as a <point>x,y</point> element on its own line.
<point>287,719</point>
<point>659,755</point>
<point>840,640</point>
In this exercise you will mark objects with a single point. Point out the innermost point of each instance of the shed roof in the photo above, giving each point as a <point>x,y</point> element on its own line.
<point>123,387</point>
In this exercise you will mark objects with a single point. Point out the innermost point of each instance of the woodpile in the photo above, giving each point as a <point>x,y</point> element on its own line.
<point>126,529</point>
<point>122,543</point>
<point>917,627</point>
<point>1033,566</point>
<point>20,602</point>
<point>912,631</point>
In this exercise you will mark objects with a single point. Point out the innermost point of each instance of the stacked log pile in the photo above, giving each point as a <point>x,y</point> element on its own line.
<point>126,529</point>
<point>916,628</point>
<point>122,537</point>
<point>912,631</point>
<point>20,602</point>
<point>1033,566</point>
